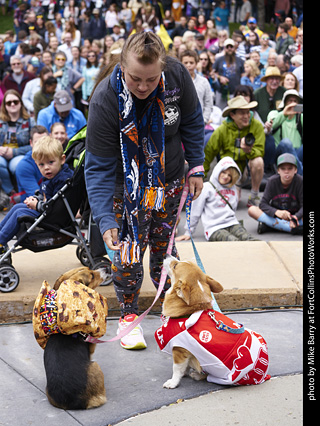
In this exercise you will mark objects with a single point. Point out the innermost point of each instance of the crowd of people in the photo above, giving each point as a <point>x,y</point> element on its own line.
<point>229,102</point>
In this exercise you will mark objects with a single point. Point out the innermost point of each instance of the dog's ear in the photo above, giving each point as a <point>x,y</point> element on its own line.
<point>214,285</point>
<point>183,291</point>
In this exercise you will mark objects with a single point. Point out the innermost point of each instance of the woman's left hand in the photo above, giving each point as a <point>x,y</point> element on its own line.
<point>195,186</point>
<point>8,154</point>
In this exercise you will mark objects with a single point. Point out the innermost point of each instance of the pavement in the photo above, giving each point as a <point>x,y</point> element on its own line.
<point>257,274</point>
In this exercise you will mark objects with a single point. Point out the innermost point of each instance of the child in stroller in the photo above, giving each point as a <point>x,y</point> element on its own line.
<point>50,159</point>
<point>53,224</point>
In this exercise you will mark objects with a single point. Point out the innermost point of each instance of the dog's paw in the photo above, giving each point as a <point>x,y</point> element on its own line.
<point>197,376</point>
<point>170,384</point>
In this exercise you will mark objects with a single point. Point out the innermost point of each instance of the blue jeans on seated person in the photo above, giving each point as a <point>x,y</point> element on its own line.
<point>9,226</point>
<point>8,167</point>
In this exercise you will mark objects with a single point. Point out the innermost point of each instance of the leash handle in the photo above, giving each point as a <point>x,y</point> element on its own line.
<point>163,276</point>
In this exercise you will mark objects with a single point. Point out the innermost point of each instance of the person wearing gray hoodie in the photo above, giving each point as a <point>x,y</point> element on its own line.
<point>216,206</point>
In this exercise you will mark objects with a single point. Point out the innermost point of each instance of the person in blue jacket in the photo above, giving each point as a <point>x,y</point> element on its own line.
<point>61,109</point>
<point>144,123</point>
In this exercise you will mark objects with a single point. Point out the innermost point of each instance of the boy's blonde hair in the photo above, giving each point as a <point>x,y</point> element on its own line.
<point>47,147</point>
<point>234,176</point>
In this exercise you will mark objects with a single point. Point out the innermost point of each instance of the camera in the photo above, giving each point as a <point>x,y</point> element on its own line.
<point>249,140</point>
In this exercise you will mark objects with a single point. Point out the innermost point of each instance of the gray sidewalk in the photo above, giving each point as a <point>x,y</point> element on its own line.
<point>133,381</point>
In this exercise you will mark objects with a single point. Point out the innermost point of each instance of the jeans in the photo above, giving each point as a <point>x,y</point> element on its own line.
<point>9,226</point>
<point>8,167</point>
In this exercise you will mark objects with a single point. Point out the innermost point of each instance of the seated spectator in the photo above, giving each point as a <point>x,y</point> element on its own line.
<point>90,72</point>
<point>15,127</point>
<point>287,128</point>
<point>190,58</point>
<point>33,86</point>
<point>68,79</point>
<point>252,75</point>
<point>44,97</point>
<point>284,40</point>
<point>61,109</point>
<point>242,138</point>
<point>58,131</point>
<point>281,207</point>
<point>27,172</point>
<point>18,78</point>
<point>216,206</point>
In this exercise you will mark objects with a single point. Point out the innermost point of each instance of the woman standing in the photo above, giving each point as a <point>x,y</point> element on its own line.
<point>139,117</point>
<point>15,126</point>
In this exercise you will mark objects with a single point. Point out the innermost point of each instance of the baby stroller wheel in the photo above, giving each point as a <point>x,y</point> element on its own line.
<point>104,264</point>
<point>82,256</point>
<point>9,278</point>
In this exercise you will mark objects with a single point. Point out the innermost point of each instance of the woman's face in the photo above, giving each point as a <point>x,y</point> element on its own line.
<point>141,79</point>
<point>59,133</point>
<point>289,82</point>
<point>13,104</point>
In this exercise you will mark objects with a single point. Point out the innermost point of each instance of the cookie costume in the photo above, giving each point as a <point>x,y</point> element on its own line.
<point>73,308</point>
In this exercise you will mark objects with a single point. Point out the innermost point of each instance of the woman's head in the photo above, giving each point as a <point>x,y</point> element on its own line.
<point>147,48</point>
<point>142,60</point>
<point>12,105</point>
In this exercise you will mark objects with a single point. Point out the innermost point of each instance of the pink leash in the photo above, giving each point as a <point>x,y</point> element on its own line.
<point>163,276</point>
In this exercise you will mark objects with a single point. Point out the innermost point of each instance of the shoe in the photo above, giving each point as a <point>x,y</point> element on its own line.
<point>262,228</point>
<point>134,339</point>
<point>4,200</point>
<point>253,201</point>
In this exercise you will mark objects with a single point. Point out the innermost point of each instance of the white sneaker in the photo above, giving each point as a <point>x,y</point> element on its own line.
<point>134,339</point>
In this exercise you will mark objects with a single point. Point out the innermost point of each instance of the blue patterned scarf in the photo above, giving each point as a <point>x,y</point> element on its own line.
<point>142,150</point>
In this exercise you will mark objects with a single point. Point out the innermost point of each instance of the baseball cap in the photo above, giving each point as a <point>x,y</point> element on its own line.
<point>286,158</point>
<point>62,101</point>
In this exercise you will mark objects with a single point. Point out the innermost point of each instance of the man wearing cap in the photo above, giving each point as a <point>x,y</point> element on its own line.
<point>252,26</point>
<point>281,207</point>
<point>62,110</point>
<point>242,138</point>
<point>229,69</point>
<point>287,127</point>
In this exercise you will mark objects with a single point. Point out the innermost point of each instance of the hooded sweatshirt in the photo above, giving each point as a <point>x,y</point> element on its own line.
<point>210,207</point>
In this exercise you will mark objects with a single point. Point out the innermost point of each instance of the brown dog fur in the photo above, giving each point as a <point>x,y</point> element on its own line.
<point>190,292</point>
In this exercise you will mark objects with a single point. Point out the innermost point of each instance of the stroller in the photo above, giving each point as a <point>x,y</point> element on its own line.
<point>57,226</point>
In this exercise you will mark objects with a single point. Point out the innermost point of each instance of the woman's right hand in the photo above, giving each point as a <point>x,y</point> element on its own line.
<point>183,238</point>
<point>110,237</point>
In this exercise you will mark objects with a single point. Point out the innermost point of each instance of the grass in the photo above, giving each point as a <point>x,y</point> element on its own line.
<point>6,22</point>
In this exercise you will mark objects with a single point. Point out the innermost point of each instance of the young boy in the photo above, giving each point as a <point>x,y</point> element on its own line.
<point>217,204</point>
<point>48,154</point>
<point>281,206</point>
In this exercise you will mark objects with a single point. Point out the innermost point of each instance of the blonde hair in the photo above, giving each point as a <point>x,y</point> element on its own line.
<point>147,46</point>
<point>47,147</point>
<point>235,175</point>
<point>254,67</point>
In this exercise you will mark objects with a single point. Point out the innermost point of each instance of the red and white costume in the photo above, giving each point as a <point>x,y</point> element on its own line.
<point>228,358</point>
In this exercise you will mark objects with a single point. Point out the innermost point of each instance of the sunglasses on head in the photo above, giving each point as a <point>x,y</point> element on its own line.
<point>15,102</point>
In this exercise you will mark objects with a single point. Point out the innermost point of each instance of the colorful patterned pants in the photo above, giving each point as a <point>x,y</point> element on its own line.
<point>155,229</point>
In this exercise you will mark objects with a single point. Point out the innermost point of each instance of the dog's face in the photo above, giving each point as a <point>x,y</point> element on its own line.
<point>83,275</point>
<point>190,289</point>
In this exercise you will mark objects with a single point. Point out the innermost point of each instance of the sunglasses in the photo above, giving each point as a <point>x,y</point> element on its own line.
<point>60,59</point>
<point>15,102</point>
